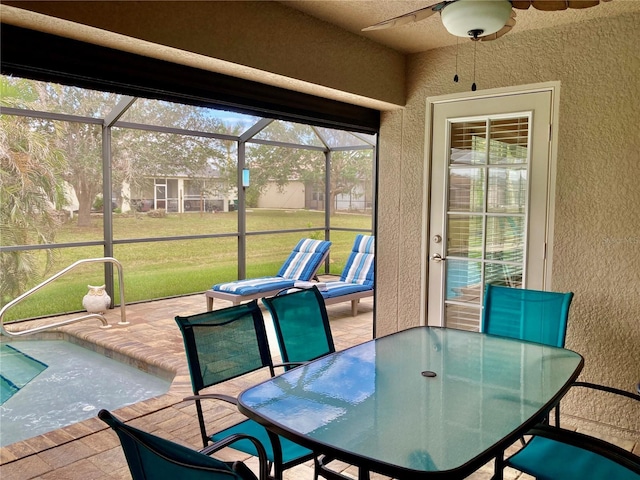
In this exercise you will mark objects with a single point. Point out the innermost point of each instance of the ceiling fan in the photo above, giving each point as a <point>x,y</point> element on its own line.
<point>480,19</point>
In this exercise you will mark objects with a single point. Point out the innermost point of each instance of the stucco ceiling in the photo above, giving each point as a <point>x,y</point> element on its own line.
<point>354,15</point>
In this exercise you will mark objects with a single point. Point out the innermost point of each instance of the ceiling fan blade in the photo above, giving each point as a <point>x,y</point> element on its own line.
<point>507,27</point>
<point>554,5</point>
<point>549,6</point>
<point>583,3</point>
<point>410,17</point>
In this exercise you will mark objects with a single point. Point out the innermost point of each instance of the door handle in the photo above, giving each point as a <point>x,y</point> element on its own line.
<point>436,257</point>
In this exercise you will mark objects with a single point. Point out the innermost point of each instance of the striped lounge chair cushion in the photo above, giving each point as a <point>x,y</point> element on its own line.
<point>305,259</point>
<point>338,289</point>
<point>357,275</point>
<point>254,285</point>
<point>302,264</point>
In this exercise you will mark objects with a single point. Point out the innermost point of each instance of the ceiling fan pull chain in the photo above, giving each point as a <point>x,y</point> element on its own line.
<point>475,48</point>
<point>455,78</point>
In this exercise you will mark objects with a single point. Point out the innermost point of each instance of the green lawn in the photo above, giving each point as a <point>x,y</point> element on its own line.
<point>159,269</point>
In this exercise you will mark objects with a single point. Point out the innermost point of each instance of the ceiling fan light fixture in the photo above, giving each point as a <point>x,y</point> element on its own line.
<point>475,18</point>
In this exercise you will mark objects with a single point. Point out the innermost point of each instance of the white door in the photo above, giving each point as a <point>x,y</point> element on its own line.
<point>491,192</point>
<point>161,197</point>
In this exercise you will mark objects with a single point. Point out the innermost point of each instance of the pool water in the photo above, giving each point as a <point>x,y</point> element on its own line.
<point>76,384</point>
<point>19,369</point>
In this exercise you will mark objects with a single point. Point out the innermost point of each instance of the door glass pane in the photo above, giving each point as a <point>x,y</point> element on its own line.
<point>459,316</point>
<point>468,143</point>
<point>509,140</point>
<point>464,280</point>
<point>507,190</point>
<point>466,190</point>
<point>505,239</point>
<point>464,236</point>
<point>503,274</point>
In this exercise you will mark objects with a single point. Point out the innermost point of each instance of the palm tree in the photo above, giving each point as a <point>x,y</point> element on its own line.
<point>30,190</point>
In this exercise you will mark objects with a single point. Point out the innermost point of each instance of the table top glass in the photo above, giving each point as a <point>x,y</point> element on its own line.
<point>378,401</point>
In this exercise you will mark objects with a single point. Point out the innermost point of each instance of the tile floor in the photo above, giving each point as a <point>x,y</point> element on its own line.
<point>152,341</point>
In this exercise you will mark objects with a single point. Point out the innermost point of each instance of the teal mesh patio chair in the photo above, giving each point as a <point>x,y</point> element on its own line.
<point>303,331</point>
<point>531,315</point>
<point>555,453</point>
<point>301,324</point>
<point>149,456</point>
<point>225,344</point>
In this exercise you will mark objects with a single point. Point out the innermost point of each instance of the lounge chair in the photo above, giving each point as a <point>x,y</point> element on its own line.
<point>302,264</point>
<point>356,280</point>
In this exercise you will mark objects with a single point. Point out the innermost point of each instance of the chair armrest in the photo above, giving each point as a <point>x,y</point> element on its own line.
<point>592,444</point>
<point>213,396</point>
<point>321,466</point>
<point>231,439</point>
<point>604,388</point>
<point>288,364</point>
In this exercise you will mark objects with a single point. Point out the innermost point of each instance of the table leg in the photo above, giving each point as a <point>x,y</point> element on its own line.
<point>363,474</point>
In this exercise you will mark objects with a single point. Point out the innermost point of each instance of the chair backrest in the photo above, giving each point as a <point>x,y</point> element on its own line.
<point>305,259</point>
<point>301,324</point>
<point>532,315</point>
<point>359,266</point>
<point>224,344</point>
<point>149,456</point>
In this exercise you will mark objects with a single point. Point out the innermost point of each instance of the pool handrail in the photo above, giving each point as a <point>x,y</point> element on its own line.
<point>99,316</point>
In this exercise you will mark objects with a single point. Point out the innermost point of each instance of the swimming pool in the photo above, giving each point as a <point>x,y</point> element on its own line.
<point>76,384</point>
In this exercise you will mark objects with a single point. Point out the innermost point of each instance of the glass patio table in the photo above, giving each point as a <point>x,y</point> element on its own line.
<point>424,402</point>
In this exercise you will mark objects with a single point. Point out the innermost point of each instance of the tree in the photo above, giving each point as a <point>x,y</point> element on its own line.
<point>30,190</point>
<point>81,142</point>
<point>351,173</point>
<point>139,155</point>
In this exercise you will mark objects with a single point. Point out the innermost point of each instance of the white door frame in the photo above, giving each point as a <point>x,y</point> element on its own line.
<point>554,89</point>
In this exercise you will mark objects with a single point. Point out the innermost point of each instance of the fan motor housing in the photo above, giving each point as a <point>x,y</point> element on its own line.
<point>475,18</point>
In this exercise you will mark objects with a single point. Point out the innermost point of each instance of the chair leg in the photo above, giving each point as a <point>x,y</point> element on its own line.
<point>277,472</point>
<point>363,474</point>
<point>499,467</point>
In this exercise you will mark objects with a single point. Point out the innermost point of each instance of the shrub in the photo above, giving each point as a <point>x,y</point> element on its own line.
<point>159,213</point>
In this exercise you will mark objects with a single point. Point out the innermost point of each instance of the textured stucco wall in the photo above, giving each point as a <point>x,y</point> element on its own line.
<point>597,216</point>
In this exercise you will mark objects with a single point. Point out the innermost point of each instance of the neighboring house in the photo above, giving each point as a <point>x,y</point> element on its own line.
<point>292,195</point>
<point>298,195</point>
<point>178,194</point>
<point>183,194</point>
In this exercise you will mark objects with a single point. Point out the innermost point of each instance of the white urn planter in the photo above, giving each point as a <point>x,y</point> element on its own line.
<point>96,300</point>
